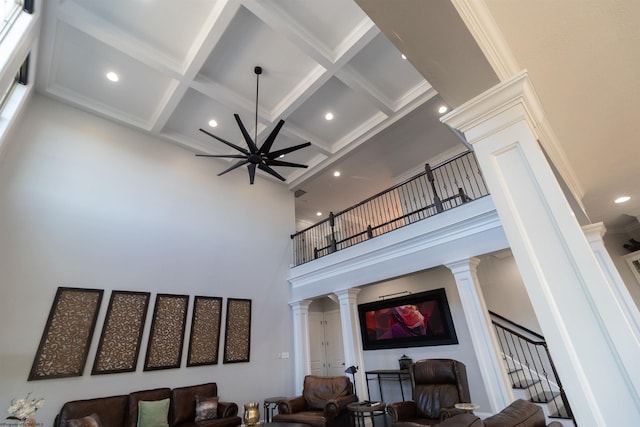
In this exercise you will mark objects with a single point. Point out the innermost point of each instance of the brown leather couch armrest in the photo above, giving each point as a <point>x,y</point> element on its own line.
<point>450,412</point>
<point>227,409</point>
<point>461,420</point>
<point>291,406</point>
<point>400,411</point>
<point>335,407</point>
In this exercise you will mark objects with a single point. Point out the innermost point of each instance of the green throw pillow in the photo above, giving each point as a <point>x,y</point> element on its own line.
<point>153,413</point>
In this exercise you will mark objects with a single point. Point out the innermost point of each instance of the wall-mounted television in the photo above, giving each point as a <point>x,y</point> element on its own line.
<point>413,320</point>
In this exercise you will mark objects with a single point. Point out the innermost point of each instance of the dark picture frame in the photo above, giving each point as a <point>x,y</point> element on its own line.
<point>67,335</point>
<point>237,334</point>
<point>166,338</point>
<point>206,322</point>
<point>415,320</point>
<point>121,335</point>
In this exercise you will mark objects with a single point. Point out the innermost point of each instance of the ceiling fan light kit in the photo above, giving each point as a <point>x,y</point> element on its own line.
<point>252,156</point>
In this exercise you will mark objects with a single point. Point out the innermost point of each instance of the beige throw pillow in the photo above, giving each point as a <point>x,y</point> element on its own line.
<point>89,421</point>
<point>206,408</point>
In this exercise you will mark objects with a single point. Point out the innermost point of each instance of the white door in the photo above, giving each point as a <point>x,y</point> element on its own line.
<point>334,348</point>
<point>316,344</point>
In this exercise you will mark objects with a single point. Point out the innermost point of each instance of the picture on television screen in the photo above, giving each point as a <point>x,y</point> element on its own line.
<point>414,320</point>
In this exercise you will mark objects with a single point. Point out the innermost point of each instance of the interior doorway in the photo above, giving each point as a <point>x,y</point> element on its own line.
<point>325,338</point>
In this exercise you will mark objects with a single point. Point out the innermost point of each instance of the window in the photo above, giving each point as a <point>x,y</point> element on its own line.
<point>633,260</point>
<point>10,10</point>
<point>21,78</point>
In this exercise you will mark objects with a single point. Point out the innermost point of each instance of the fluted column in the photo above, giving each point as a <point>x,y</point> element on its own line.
<point>485,343</point>
<point>351,338</point>
<point>301,346</point>
<point>590,337</point>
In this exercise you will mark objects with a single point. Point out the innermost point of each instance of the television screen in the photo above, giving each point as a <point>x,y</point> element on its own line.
<point>414,320</point>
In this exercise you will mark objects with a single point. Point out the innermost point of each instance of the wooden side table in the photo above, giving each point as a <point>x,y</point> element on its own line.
<point>360,410</point>
<point>467,407</point>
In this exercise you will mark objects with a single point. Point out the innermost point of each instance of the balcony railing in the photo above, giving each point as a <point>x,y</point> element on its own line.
<point>443,187</point>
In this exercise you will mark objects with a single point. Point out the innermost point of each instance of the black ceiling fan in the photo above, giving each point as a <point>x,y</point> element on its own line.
<point>261,157</point>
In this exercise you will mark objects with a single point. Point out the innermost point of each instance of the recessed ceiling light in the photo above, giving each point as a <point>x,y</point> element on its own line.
<point>328,116</point>
<point>281,156</point>
<point>622,199</point>
<point>213,123</point>
<point>113,76</point>
<point>318,213</point>
<point>404,56</point>
<point>443,109</point>
<point>336,174</point>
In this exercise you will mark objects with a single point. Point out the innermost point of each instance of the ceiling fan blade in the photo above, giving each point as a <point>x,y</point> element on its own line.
<point>277,153</point>
<point>252,172</point>
<point>266,147</point>
<point>281,163</point>
<point>227,156</point>
<point>242,150</point>
<point>270,171</point>
<point>252,145</point>
<point>237,165</point>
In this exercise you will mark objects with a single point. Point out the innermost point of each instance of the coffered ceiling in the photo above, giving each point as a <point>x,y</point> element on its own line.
<point>183,63</point>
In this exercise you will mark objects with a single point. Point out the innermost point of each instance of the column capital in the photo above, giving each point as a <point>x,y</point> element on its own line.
<point>594,231</point>
<point>347,294</point>
<point>464,265</point>
<point>302,305</point>
<point>512,100</point>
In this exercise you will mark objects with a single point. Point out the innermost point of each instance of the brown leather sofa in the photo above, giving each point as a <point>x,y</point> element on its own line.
<point>436,386</point>
<point>119,411</point>
<point>520,413</point>
<point>323,403</point>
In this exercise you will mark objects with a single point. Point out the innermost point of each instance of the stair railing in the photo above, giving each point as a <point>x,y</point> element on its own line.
<point>437,189</point>
<point>529,365</point>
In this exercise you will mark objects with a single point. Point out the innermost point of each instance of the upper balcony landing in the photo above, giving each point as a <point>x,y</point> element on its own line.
<point>469,230</point>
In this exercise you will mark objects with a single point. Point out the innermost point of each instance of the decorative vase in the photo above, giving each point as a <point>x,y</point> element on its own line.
<point>251,413</point>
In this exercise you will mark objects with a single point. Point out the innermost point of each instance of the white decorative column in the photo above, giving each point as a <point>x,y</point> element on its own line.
<point>351,338</point>
<point>487,350</point>
<point>594,234</point>
<point>301,346</point>
<point>590,338</point>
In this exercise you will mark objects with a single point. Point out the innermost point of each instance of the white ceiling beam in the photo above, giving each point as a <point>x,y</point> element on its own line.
<point>217,23</point>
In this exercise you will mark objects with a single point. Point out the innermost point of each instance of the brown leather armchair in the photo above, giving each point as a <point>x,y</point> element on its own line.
<point>436,386</point>
<point>323,403</point>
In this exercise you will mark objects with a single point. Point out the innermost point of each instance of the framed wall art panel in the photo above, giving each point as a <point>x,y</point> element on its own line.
<point>121,333</point>
<point>204,340</point>
<point>164,349</point>
<point>67,335</point>
<point>237,335</point>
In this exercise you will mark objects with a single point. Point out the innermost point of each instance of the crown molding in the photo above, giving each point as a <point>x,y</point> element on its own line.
<point>478,19</point>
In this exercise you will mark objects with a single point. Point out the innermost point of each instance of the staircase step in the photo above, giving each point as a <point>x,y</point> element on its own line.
<point>544,397</point>
<point>522,384</point>
<point>561,413</point>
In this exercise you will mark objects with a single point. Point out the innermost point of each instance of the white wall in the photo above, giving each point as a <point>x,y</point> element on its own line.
<point>502,287</point>
<point>88,203</point>
<point>435,278</point>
